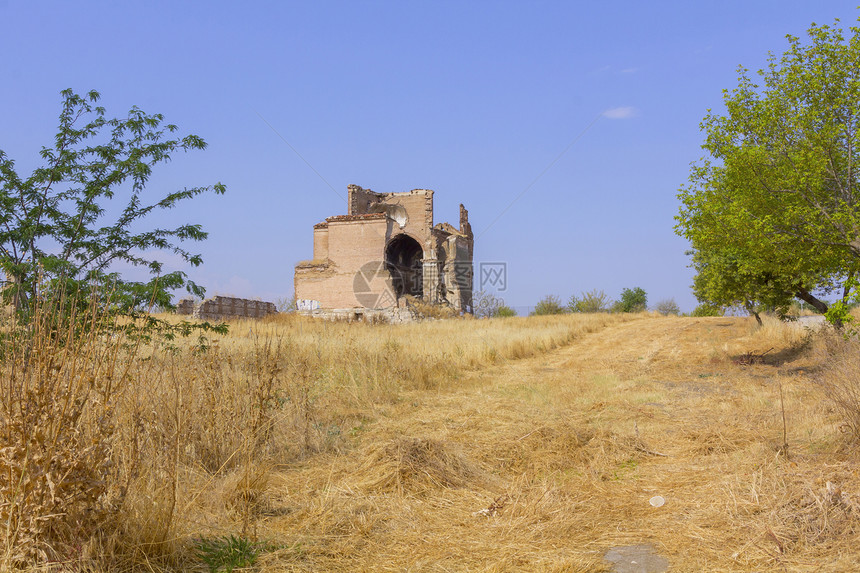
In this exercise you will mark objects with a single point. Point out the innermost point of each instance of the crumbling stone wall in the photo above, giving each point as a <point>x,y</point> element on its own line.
<point>386,315</point>
<point>220,307</point>
<point>185,306</point>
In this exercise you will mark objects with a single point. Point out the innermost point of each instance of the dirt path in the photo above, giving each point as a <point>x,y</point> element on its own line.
<point>547,463</point>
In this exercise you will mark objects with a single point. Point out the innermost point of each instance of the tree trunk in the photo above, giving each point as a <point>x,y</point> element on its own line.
<point>808,298</point>
<point>18,298</point>
<point>846,288</point>
<point>816,303</point>
<point>752,311</point>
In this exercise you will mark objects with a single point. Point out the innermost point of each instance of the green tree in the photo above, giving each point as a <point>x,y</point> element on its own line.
<point>723,281</point>
<point>632,300</point>
<point>64,226</point>
<point>549,304</point>
<point>591,301</point>
<point>774,205</point>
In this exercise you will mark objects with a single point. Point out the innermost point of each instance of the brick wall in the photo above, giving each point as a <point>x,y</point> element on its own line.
<point>352,244</point>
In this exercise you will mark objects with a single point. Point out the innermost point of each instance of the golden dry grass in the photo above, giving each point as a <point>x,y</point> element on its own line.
<point>528,444</point>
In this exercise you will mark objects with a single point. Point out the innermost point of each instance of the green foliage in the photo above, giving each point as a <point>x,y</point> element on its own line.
<point>707,309</point>
<point>227,553</point>
<point>772,213</point>
<point>839,313</point>
<point>591,301</point>
<point>81,315</point>
<point>549,304</point>
<point>632,300</point>
<point>64,226</point>
<point>723,281</point>
<point>667,307</point>
<point>505,312</point>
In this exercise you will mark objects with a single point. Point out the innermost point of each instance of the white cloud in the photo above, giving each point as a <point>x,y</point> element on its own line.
<point>624,112</point>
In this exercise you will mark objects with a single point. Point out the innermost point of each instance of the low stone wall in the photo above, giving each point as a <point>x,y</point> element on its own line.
<point>388,315</point>
<point>219,307</point>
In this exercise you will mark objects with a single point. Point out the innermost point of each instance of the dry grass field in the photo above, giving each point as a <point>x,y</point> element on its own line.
<point>523,444</point>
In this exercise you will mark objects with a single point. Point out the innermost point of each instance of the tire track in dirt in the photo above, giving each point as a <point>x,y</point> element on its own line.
<point>666,357</point>
<point>672,348</point>
<point>538,463</point>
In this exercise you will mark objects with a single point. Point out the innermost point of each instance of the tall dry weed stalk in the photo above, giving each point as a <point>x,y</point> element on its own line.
<point>115,451</point>
<point>841,380</point>
<point>60,383</point>
<point>780,334</point>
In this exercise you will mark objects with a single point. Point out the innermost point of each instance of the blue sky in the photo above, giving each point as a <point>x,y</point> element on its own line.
<point>588,112</point>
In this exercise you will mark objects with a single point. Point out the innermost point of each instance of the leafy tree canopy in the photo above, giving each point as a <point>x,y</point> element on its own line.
<point>632,300</point>
<point>723,281</point>
<point>772,211</point>
<point>64,226</point>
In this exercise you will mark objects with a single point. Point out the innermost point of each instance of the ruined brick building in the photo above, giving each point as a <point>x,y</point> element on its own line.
<point>384,250</point>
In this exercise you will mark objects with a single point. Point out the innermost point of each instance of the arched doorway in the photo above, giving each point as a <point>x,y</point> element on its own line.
<point>403,260</point>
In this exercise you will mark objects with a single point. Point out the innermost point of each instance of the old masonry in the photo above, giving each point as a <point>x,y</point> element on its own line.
<point>384,253</point>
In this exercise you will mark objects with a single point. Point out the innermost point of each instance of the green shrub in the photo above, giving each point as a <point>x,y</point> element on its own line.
<point>505,311</point>
<point>549,304</point>
<point>591,301</point>
<point>707,309</point>
<point>632,300</point>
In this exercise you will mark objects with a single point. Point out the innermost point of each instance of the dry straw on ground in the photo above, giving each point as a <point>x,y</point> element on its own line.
<point>526,444</point>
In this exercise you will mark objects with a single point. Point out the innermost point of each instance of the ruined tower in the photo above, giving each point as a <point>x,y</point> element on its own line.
<point>385,249</point>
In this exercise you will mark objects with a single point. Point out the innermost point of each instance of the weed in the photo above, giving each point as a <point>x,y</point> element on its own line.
<point>841,382</point>
<point>625,468</point>
<point>227,553</point>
